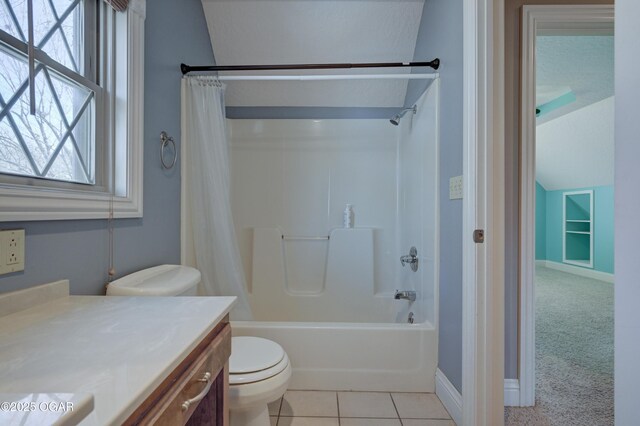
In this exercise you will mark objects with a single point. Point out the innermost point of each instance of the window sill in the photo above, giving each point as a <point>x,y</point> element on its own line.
<point>28,204</point>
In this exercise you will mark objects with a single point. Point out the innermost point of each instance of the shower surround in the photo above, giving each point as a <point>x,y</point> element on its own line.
<point>325,293</point>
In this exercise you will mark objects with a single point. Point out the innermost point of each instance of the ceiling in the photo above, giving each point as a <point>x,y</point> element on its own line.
<point>314,31</point>
<point>574,88</point>
<point>581,64</point>
<point>577,149</point>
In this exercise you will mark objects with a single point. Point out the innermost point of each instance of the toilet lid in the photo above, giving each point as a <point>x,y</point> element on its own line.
<point>258,376</point>
<point>252,354</point>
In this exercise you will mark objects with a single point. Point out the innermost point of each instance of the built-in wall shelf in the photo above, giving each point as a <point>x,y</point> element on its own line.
<point>577,228</point>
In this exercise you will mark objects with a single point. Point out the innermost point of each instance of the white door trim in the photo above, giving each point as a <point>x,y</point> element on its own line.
<point>511,393</point>
<point>534,18</point>
<point>483,208</point>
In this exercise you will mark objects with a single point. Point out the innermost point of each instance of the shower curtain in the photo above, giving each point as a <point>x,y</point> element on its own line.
<point>208,234</point>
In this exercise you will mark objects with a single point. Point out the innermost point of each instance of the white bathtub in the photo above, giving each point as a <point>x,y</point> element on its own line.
<point>354,356</point>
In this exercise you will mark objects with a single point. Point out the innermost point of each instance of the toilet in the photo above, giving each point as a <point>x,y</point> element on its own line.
<point>259,373</point>
<point>259,369</point>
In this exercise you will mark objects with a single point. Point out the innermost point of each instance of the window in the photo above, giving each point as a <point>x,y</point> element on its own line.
<point>70,146</point>
<point>58,142</point>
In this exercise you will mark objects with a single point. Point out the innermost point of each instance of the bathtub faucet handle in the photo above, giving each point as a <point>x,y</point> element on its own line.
<point>410,259</point>
<point>407,259</point>
<point>409,295</point>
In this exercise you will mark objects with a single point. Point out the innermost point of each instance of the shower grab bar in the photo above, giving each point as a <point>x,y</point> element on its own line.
<point>300,237</point>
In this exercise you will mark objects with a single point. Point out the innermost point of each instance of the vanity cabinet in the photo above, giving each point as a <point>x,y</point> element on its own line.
<point>194,393</point>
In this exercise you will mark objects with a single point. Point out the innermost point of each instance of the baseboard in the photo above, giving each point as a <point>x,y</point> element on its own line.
<point>511,392</point>
<point>576,270</point>
<point>450,397</point>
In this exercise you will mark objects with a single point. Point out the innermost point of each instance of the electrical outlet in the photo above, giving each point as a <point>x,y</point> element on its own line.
<point>11,251</point>
<point>455,188</point>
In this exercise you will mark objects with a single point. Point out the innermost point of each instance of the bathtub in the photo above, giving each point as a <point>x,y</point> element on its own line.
<point>354,356</point>
<point>339,332</point>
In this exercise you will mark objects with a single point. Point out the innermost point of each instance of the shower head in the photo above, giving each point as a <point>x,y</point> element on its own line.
<point>396,118</point>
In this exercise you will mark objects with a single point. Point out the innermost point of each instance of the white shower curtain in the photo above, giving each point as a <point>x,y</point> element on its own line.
<point>208,234</point>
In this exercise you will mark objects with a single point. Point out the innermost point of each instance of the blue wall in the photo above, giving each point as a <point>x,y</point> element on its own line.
<point>541,222</point>
<point>440,35</point>
<point>551,218</point>
<point>174,32</point>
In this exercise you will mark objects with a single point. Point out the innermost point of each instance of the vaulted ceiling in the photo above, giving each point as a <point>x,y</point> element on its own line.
<point>315,31</point>
<point>574,137</point>
<point>581,65</point>
<point>576,150</point>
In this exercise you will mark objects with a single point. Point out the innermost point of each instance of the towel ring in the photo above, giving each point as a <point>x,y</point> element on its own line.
<point>166,140</point>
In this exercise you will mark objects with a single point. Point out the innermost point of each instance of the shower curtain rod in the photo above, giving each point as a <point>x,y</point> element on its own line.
<point>327,77</point>
<point>435,64</point>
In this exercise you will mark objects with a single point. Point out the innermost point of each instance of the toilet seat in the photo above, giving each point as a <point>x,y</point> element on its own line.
<point>245,378</point>
<point>254,359</point>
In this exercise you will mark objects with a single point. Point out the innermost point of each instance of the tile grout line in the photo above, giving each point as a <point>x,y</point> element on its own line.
<point>338,406</point>
<point>395,408</point>
<point>280,409</point>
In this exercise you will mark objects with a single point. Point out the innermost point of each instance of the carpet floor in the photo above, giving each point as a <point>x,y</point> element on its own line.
<point>574,353</point>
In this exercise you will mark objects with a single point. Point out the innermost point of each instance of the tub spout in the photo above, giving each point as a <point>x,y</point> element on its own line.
<point>405,295</point>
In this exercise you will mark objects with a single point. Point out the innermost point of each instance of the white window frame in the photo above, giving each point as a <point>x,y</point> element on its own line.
<point>124,105</point>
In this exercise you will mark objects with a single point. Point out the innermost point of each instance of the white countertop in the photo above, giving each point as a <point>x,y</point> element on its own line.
<point>119,349</point>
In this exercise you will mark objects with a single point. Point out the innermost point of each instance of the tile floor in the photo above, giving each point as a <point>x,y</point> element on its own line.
<point>327,408</point>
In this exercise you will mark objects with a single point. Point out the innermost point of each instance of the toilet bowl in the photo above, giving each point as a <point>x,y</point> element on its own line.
<point>259,369</point>
<point>259,373</point>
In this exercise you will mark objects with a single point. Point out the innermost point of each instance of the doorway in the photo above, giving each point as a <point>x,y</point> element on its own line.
<point>566,244</point>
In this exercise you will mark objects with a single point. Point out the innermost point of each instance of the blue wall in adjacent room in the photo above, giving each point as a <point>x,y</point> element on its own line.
<point>541,222</point>
<point>175,32</point>
<point>440,35</point>
<point>554,226</point>
<point>603,252</point>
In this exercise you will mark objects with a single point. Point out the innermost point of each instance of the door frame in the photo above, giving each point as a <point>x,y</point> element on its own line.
<point>562,19</point>
<point>483,208</point>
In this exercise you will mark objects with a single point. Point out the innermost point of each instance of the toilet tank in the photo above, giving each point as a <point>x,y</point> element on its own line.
<point>163,280</point>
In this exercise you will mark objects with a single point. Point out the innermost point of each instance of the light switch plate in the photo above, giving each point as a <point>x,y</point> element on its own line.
<point>455,188</point>
<point>11,251</point>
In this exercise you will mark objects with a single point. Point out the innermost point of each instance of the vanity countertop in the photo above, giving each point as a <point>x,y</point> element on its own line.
<point>118,349</point>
